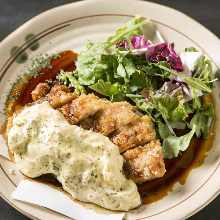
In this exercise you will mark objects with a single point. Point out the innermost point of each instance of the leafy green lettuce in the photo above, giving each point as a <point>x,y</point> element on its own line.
<point>173,145</point>
<point>114,91</point>
<point>92,64</point>
<point>202,121</point>
<point>168,114</point>
<point>118,74</point>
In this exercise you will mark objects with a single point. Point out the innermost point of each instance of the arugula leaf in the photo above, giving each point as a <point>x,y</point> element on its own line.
<point>200,83</point>
<point>165,105</point>
<point>203,69</point>
<point>197,83</point>
<point>202,121</point>
<point>202,79</point>
<point>171,108</point>
<point>114,91</point>
<point>172,145</point>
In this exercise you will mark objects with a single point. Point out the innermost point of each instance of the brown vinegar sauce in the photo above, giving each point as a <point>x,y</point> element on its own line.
<point>177,170</point>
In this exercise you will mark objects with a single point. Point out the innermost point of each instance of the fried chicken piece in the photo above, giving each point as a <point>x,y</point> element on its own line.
<point>134,134</point>
<point>145,163</point>
<point>60,95</point>
<point>40,91</point>
<point>83,107</point>
<point>114,116</point>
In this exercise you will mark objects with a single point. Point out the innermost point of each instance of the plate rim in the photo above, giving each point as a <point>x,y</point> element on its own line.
<point>53,10</point>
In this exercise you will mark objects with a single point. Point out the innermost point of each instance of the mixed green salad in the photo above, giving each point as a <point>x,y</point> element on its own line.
<point>162,84</point>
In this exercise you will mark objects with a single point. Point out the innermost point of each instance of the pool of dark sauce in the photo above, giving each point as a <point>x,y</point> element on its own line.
<point>177,169</point>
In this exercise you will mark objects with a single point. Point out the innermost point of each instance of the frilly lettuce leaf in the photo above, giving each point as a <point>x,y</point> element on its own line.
<point>173,145</point>
<point>202,121</point>
<point>163,130</point>
<point>171,108</point>
<point>90,65</point>
<point>204,71</point>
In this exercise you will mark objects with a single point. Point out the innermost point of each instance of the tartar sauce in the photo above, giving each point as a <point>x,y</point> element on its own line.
<point>87,164</point>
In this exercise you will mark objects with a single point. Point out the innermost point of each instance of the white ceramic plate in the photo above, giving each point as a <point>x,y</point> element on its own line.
<point>68,27</point>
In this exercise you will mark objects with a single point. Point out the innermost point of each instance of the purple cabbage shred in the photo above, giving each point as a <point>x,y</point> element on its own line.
<point>165,52</point>
<point>153,52</point>
<point>138,42</point>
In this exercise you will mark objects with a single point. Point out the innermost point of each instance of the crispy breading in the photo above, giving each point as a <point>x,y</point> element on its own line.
<point>40,91</point>
<point>114,116</point>
<point>82,107</point>
<point>132,132</point>
<point>145,163</point>
<point>60,95</point>
<point>138,133</point>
